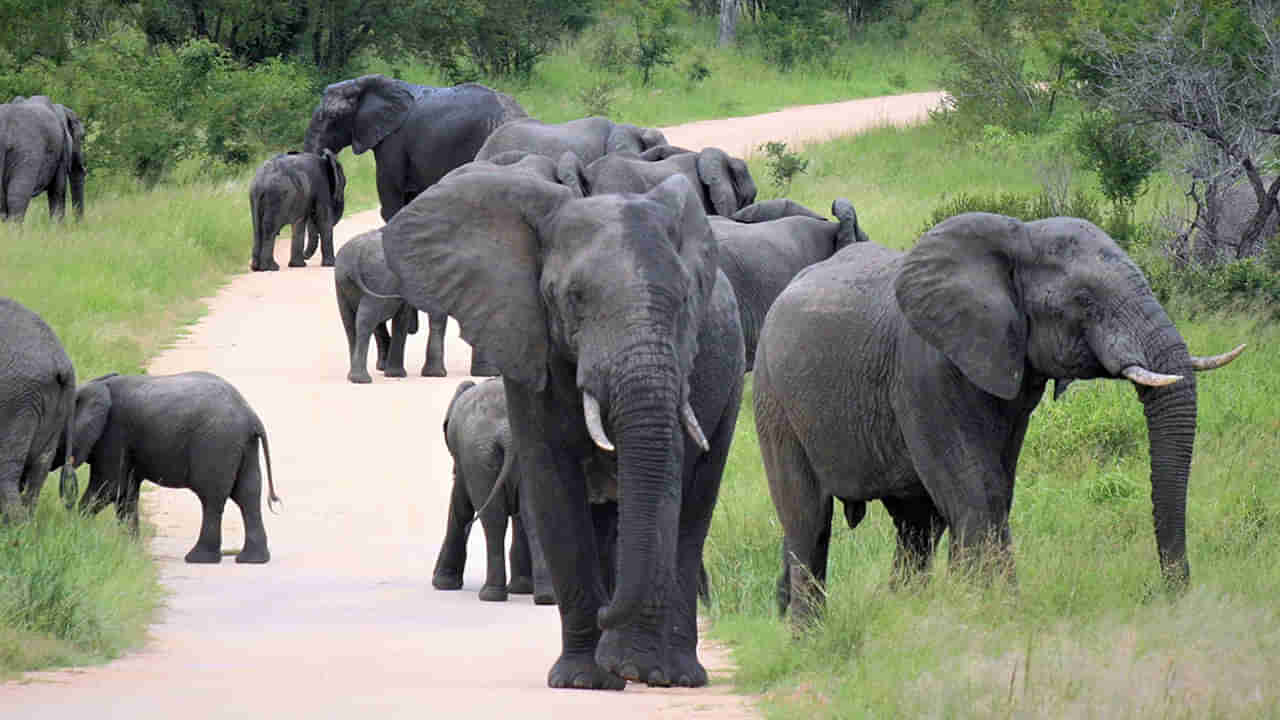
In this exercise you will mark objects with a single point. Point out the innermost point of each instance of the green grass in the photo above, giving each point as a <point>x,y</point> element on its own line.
<point>1089,631</point>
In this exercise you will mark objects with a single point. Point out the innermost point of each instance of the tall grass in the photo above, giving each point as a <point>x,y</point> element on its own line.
<point>1088,631</point>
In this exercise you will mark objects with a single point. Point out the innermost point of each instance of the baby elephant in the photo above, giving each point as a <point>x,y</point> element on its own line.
<point>302,189</point>
<point>485,484</point>
<point>192,430</point>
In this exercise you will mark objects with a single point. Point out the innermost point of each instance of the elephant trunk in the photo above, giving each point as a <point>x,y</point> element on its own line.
<point>645,403</point>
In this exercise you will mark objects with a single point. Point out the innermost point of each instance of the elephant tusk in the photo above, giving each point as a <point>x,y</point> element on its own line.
<point>1143,376</point>
<point>1213,363</point>
<point>691,425</point>
<point>591,411</point>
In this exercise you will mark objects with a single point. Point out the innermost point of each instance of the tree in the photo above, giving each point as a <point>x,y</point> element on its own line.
<point>728,23</point>
<point>1207,74</point>
<point>656,38</point>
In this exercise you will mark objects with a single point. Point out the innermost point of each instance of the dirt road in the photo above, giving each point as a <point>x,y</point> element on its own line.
<point>343,621</point>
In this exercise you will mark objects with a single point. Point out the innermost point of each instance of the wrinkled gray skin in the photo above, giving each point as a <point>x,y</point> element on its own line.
<point>304,190</point>
<point>486,482</point>
<point>362,268</point>
<point>417,133</point>
<point>589,138</point>
<point>37,407</point>
<point>608,313</point>
<point>1239,205</point>
<point>192,430</point>
<point>41,151</point>
<point>910,379</point>
<point>722,183</point>
<point>763,246</point>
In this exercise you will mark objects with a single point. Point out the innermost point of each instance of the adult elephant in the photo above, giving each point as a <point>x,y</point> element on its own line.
<point>608,319</point>
<point>37,409</point>
<point>417,133</point>
<point>722,183</point>
<point>763,246</point>
<point>589,138</point>
<point>41,151</point>
<point>937,358</point>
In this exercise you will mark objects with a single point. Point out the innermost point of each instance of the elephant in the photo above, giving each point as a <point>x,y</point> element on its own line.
<point>37,404</point>
<point>362,266</point>
<point>477,431</point>
<point>722,183</point>
<point>41,151</point>
<point>192,430</point>
<point>304,189</point>
<point>417,133</point>
<point>936,359</point>
<point>764,245</point>
<point>608,318</point>
<point>589,138</point>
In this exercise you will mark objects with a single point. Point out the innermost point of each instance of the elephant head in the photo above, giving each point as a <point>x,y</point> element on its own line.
<point>93,407</point>
<point>722,183</point>
<point>593,304</point>
<point>727,181</point>
<point>359,113</point>
<point>337,182</point>
<point>1059,299</point>
<point>632,139</point>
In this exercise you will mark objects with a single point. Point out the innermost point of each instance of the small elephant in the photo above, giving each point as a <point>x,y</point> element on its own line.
<point>486,486</point>
<point>722,183</point>
<point>589,138</point>
<point>417,133</point>
<point>763,246</point>
<point>303,189</point>
<point>192,430</point>
<point>37,408</point>
<point>362,267</point>
<point>910,378</point>
<point>41,151</point>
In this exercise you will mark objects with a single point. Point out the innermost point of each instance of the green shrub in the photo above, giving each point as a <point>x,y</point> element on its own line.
<point>1018,205</point>
<point>783,165</point>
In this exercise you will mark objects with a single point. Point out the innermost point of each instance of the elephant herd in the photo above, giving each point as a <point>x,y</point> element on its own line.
<point>622,287</point>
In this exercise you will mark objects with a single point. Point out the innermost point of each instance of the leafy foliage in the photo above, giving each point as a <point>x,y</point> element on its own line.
<point>783,165</point>
<point>656,38</point>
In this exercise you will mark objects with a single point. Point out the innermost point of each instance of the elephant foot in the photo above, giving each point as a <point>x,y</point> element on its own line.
<point>201,556</point>
<point>297,263</point>
<point>685,669</point>
<point>446,581</point>
<point>433,371</point>
<point>493,594</point>
<point>254,556</point>
<point>546,598</point>
<point>273,265</point>
<point>381,364</point>
<point>359,378</point>
<point>580,671</point>
<point>326,262</point>
<point>618,655</point>
<point>520,586</point>
<point>395,372</point>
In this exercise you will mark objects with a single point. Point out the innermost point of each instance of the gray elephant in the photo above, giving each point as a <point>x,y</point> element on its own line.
<point>417,133</point>
<point>910,379</point>
<point>618,342</point>
<point>41,151</point>
<point>306,190</point>
<point>486,487</point>
<point>723,184</point>
<point>764,245</point>
<point>589,138</point>
<point>1238,205</point>
<point>37,408</point>
<point>367,299</point>
<point>193,430</point>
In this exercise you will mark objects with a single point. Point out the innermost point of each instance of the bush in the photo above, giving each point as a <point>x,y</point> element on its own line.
<point>783,165</point>
<point>1022,206</point>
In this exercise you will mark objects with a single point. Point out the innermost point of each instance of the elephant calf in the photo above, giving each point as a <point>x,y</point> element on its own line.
<point>486,485</point>
<point>367,298</point>
<point>192,430</point>
<point>302,189</point>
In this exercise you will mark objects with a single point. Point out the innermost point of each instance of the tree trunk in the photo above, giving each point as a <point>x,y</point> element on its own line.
<point>728,23</point>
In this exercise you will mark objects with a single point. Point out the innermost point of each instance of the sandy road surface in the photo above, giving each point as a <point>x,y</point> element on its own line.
<point>343,621</point>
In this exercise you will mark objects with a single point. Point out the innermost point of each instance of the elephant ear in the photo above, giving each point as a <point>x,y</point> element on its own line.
<point>93,407</point>
<point>384,104</point>
<point>469,246</point>
<point>626,138</point>
<point>337,181</point>
<point>571,174</point>
<point>716,175</point>
<point>695,243</point>
<point>957,290</point>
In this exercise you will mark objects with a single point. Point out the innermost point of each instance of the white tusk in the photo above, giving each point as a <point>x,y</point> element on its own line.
<point>1143,376</point>
<point>1215,362</point>
<point>591,410</point>
<point>691,424</point>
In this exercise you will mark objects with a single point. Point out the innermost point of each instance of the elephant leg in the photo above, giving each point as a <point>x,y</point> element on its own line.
<point>33,479</point>
<point>208,548</point>
<point>18,193</point>
<point>804,512</point>
<point>382,343</point>
<point>212,483</point>
<point>57,195</point>
<point>482,366</point>
<point>326,244</point>
<point>919,528</point>
<point>453,551</point>
<point>247,494</point>
<point>347,311</point>
<point>11,506</point>
<point>127,501</point>
<point>521,562</point>
<point>494,522</point>
<point>434,364</point>
<point>97,495</point>
<point>544,592</point>
<point>366,320</point>
<point>299,237</point>
<point>394,365</point>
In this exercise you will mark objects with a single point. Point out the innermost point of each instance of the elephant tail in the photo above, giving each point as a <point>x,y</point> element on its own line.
<point>272,498</point>
<point>357,277</point>
<point>68,485</point>
<point>504,475</point>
